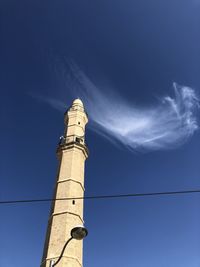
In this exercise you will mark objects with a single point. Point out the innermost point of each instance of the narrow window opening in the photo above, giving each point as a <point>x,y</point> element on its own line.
<point>73,202</point>
<point>79,140</point>
<point>79,123</point>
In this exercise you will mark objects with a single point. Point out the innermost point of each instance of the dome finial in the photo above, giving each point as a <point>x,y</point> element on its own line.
<point>77,101</point>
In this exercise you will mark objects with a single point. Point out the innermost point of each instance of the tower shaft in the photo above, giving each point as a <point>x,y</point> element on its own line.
<point>66,214</point>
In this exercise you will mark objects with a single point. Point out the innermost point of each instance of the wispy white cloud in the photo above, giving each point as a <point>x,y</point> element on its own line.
<point>167,125</point>
<point>53,102</point>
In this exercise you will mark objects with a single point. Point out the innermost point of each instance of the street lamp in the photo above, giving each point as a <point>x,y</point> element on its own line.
<point>79,232</point>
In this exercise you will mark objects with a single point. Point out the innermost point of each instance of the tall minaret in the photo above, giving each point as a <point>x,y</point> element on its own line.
<point>66,214</point>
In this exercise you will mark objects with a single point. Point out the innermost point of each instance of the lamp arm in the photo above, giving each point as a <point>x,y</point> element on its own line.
<point>61,254</point>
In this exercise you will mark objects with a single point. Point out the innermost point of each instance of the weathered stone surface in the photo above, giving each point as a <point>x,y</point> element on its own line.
<point>66,214</point>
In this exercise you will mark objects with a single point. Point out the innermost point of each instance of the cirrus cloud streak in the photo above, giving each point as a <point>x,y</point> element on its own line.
<point>166,125</point>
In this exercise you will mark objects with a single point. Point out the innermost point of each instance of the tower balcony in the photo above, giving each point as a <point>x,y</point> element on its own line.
<point>72,141</point>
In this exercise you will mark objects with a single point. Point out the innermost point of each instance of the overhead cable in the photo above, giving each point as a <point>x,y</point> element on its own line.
<point>102,196</point>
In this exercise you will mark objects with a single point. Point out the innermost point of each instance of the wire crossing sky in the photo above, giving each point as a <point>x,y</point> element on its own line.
<point>101,196</point>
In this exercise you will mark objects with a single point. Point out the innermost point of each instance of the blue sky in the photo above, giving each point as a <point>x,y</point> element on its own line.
<point>119,56</point>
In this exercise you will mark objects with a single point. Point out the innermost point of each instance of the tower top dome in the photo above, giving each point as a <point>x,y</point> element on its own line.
<point>77,102</point>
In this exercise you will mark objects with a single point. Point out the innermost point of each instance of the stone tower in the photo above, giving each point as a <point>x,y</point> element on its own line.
<point>66,214</point>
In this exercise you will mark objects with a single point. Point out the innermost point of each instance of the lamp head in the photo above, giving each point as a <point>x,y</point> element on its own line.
<point>79,232</point>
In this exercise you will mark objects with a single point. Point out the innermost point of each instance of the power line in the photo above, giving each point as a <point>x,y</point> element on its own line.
<point>101,196</point>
